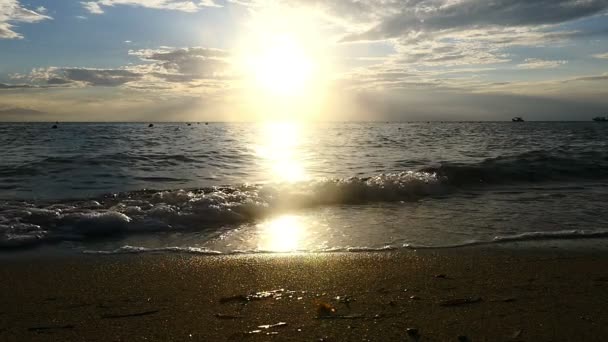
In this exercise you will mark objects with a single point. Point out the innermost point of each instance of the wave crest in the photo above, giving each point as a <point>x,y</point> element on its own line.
<point>197,209</point>
<point>30,223</point>
<point>533,166</point>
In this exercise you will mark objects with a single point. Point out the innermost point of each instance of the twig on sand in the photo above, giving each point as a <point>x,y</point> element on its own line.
<point>51,327</point>
<point>504,300</point>
<point>460,301</point>
<point>225,316</point>
<point>342,317</point>
<point>137,314</point>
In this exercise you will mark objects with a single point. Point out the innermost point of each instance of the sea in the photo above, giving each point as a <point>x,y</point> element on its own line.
<point>289,187</point>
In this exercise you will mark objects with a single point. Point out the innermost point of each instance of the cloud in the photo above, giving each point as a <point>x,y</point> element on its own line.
<point>535,63</point>
<point>19,112</point>
<point>58,81</point>
<point>440,105</point>
<point>168,69</point>
<point>54,76</point>
<point>593,87</point>
<point>602,77</point>
<point>179,65</point>
<point>449,51</point>
<point>14,86</point>
<point>12,12</point>
<point>100,77</point>
<point>96,7</point>
<point>432,37</point>
<point>92,7</point>
<point>436,15</point>
<point>444,34</point>
<point>601,55</point>
<point>424,98</point>
<point>169,54</point>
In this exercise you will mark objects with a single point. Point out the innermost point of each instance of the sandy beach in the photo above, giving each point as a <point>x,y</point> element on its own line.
<point>452,295</point>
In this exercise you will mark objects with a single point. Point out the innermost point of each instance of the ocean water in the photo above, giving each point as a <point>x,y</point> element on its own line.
<point>290,187</point>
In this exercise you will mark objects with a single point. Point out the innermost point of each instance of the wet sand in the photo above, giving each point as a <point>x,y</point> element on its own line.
<point>451,295</point>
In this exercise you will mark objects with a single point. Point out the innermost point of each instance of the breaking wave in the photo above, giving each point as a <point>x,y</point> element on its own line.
<point>530,167</point>
<point>27,223</point>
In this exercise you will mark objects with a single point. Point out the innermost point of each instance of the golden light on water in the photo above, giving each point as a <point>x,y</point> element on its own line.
<point>278,151</point>
<point>282,234</point>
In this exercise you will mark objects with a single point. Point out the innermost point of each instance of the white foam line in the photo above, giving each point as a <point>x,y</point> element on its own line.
<point>523,237</point>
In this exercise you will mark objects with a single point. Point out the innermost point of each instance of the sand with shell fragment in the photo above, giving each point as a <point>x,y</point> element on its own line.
<point>471,294</point>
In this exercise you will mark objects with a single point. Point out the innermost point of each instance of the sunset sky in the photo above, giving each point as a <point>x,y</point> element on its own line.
<point>227,60</point>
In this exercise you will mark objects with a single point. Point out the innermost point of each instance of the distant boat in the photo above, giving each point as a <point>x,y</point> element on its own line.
<point>517,119</point>
<point>600,119</point>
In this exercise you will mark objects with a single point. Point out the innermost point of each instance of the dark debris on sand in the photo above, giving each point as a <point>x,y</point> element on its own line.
<point>51,327</point>
<point>135,314</point>
<point>460,301</point>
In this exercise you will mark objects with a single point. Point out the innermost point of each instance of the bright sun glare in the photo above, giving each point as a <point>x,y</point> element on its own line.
<point>278,150</point>
<point>282,67</point>
<point>283,56</point>
<point>281,234</point>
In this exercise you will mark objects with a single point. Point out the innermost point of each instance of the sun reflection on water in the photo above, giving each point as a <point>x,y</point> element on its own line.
<point>278,151</point>
<point>282,234</point>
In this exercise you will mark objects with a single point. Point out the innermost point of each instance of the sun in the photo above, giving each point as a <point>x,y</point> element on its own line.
<point>282,67</point>
<point>283,64</point>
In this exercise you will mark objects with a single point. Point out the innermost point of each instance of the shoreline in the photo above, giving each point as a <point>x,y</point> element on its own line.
<point>477,293</point>
<point>580,243</point>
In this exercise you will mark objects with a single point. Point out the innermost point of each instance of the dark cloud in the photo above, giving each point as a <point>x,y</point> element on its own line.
<point>58,81</point>
<point>56,77</point>
<point>453,105</point>
<point>96,77</point>
<point>19,112</point>
<point>159,69</point>
<point>181,54</point>
<point>603,77</point>
<point>197,68</point>
<point>14,86</point>
<point>432,15</point>
<point>186,64</point>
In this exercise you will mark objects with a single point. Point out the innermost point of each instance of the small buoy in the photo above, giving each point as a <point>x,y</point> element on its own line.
<point>54,126</point>
<point>189,124</point>
<point>151,125</point>
<point>206,123</point>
